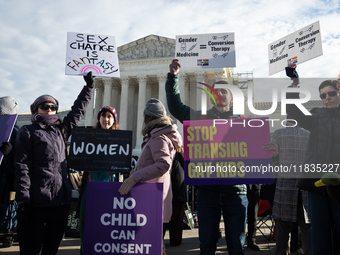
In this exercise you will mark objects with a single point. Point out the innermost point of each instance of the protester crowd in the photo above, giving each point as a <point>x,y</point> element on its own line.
<point>35,167</point>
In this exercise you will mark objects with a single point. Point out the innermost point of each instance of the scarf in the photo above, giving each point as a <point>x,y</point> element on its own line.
<point>44,118</point>
<point>162,121</point>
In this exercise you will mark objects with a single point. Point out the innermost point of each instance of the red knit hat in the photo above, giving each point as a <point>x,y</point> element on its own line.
<point>109,109</point>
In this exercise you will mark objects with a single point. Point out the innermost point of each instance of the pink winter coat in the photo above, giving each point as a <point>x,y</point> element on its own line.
<point>155,162</point>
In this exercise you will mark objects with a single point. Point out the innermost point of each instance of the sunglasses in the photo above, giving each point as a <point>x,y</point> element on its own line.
<point>330,93</point>
<point>47,106</point>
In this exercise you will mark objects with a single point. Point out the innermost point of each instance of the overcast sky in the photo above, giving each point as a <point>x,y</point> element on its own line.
<point>34,33</point>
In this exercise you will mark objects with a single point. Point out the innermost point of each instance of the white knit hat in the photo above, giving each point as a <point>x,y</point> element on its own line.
<point>8,106</point>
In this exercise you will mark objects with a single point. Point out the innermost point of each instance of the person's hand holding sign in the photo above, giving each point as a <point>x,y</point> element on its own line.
<point>272,147</point>
<point>127,185</point>
<point>6,148</point>
<point>174,67</point>
<point>88,78</point>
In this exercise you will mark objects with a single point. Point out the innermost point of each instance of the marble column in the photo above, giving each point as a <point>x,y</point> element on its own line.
<point>99,100</point>
<point>89,109</point>
<point>161,90</point>
<point>141,106</point>
<point>89,112</point>
<point>123,114</point>
<point>115,97</point>
<point>107,91</point>
<point>148,94</point>
<point>199,78</point>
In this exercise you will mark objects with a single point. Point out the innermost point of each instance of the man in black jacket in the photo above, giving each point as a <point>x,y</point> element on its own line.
<point>231,200</point>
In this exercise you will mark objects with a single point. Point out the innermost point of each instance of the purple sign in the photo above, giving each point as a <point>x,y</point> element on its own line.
<point>130,224</point>
<point>6,127</point>
<point>227,151</point>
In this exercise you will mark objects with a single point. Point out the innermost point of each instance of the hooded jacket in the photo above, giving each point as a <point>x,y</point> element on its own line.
<point>155,162</point>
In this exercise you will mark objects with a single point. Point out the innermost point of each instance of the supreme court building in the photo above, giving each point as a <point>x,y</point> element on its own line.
<point>144,65</point>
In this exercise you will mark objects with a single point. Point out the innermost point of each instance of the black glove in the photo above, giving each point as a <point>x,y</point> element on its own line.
<point>292,73</point>
<point>6,148</point>
<point>89,79</point>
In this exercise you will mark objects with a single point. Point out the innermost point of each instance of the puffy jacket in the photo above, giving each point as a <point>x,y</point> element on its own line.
<point>40,159</point>
<point>155,162</point>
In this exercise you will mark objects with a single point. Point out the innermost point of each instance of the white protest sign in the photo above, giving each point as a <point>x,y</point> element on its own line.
<point>295,48</point>
<point>90,52</point>
<point>206,50</point>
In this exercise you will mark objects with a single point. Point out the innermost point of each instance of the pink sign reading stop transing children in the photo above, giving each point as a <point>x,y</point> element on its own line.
<point>227,151</point>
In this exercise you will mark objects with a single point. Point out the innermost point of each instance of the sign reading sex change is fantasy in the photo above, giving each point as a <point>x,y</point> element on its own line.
<point>103,150</point>
<point>227,151</point>
<point>206,50</point>
<point>295,48</point>
<point>6,127</point>
<point>90,52</point>
<point>130,224</point>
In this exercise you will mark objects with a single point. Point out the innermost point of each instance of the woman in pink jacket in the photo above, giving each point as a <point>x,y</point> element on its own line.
<point>161,139</point>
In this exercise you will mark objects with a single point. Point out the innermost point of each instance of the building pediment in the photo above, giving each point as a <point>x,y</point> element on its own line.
<point>149,47</point>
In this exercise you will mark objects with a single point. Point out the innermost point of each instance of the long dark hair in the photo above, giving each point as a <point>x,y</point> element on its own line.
<point>115,125</point>
<point>148,118</point>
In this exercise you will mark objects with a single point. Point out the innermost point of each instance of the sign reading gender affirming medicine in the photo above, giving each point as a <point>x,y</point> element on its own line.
<point>295,48</point>
<point>91,52</point>
<point>103,150</point>
<point>206,50</point>
<point>6,127</point>
<point>130,224</point>
<point>227,151</point>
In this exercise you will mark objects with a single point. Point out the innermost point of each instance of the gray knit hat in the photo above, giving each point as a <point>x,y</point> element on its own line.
<point>8,106</point>
<point>41,100</point>
<point>155,108</point>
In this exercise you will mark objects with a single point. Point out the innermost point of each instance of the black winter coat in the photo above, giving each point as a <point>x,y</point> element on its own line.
<point>40,159</point>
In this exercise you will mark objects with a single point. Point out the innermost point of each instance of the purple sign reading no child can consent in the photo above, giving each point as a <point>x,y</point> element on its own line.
<point>130,224</point>
<point>227,151</point>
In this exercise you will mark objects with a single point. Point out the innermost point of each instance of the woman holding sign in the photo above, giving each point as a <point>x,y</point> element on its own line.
<point>43,191</point>
<point>107,119</point>
<point>161,139</point>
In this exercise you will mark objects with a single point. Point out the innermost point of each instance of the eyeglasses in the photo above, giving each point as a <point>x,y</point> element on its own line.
<point>47,106</point>
<point>330,93</point>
